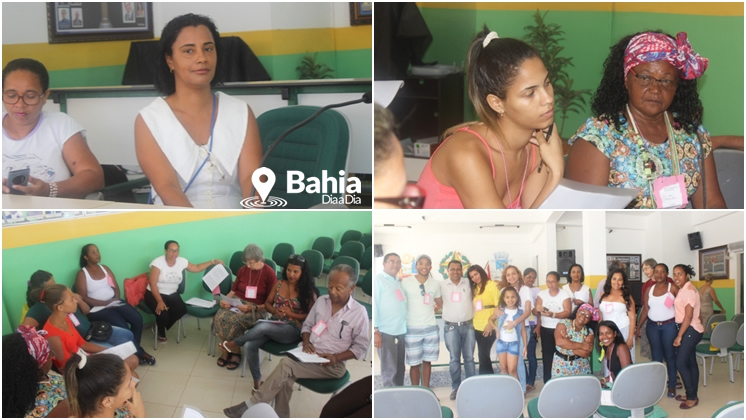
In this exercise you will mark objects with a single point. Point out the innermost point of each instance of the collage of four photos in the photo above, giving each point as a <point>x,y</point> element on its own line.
<point>372,209</point>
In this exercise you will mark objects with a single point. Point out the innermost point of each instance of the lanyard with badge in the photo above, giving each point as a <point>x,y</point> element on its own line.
<point>668,192</point>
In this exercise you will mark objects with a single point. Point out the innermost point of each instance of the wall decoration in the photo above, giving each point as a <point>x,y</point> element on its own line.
<point>630,263</point>
<point>407,266</point>
<point>361,13</point>
<point>714,261</point>
<point>455,255</point>
<point>99,21</point>
<point>495,267</point>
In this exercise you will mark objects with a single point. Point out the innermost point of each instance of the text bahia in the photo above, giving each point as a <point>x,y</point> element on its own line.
<point>327,185</point>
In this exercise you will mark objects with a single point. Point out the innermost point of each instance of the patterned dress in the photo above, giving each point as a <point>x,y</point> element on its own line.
<point>560,365</point>
<point>626,162</point>
<point>51,392</point>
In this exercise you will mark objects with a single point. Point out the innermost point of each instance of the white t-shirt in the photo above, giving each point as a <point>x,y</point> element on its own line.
<point>581,294</point>
<point>41,150</point>
<point>508,336</point>
<point>170,277</point>
<point>525,295</point>
<point>553,304</point>
<point>216,185</point>
<point>419,313</point>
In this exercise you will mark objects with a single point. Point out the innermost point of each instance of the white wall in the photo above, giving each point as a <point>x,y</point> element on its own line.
<point>26,22</point>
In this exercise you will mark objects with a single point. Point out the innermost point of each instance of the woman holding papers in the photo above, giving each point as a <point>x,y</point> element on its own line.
<point>59,299</point>
<point>166,273</point>
<point>99,288</point>
<point>646,132</point>
<point>294,296</point>
<point>254,283</point>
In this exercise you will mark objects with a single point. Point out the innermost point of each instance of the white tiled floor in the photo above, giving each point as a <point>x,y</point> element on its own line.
<point>718,392</point>
<point>185,374</point>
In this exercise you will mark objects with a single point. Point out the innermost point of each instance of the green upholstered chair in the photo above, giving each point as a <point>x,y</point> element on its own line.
<point>737,348</point>
<point>350,235</point>
<point>344,260</point>
<point>325,245</point>
<point>315,260</point>
<point>367,285</point>
<point>236,262</point>
<point>367,240</point>
<point>352,249</point>
<point>708,325</point>
<point>366,263</point>
<point>733,410</point>
<point>325,386</point>
<point>321,145</point>
<point>281,253</point>
<point>271,347</point>
<point>272,264</point>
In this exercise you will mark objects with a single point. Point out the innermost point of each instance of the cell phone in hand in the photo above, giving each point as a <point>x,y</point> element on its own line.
<point>548,133</point>
<point>17,177</point>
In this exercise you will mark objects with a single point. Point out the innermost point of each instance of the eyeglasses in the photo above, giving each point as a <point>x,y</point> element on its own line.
<point>29,98</point>
<point>645,80</point>
<point>584,314</point>
<point>413,198</point>
<point>422,289</point>
<point>297,257</point>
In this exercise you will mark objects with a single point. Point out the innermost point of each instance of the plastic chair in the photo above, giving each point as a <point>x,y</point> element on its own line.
<point>738,348</point>
<point>569,396</point>
<point>407,402</point>
<point>733,410</point>
<point>143,307</point>
<point>636,391</point>
<point>260,411</point>
<point>708,326</point>
<point>320,145</point>
<point>723,337</point>
<point>281,253</point>
<point>485,396</point>
<point>738,319</point>
<point>367,240</point>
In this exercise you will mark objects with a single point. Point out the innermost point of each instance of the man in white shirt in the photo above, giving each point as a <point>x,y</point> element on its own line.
<point>458,330</point>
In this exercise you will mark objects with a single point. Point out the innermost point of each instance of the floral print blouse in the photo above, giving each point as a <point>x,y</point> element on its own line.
<point>626,163</point>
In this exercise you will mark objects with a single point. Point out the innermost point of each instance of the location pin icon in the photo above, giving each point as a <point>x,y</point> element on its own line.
<point>263,188</point>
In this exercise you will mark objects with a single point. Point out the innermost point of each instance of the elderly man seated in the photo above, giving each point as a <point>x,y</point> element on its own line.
<point>335,329</point>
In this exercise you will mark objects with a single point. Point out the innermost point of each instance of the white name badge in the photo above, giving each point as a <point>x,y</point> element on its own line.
<point>455,296</point>
<point>74,319</point>
<point>426,299</point>
<point>319,328</point>
<point>670,192</point>
<point>478,305</point>
<point>251,292</point>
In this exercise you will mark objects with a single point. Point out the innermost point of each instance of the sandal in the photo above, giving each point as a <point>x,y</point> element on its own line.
<point>222,362</point>
<point>224,347</point>
<point>233,364</point>
<point>685,406</point>
<point>254,390</point>
<point>148,359</point>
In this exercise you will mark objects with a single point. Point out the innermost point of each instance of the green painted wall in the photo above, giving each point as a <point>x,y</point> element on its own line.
<point>129,253</point>
<point>588,36</point>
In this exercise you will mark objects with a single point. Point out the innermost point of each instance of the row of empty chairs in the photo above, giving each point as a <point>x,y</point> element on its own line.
<point>727,339</point>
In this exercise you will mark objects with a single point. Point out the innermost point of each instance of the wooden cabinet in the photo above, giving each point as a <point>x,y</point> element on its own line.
<point>427,106</point>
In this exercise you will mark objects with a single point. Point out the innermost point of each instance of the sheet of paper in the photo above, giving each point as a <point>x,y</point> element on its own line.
<point>123,350</point>
<point>384,91</point>
<point>191,413</point>
<point>215,277</point>
<point>232,301</point>
<point>576,195</point>
<point>298,354</point>
<point>606,397</point>
<point>202,303</point>
<point>113,304</point>
<point>271,321</point>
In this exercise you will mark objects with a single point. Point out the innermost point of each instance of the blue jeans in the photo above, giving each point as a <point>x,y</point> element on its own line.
<point>123,316</point>
<point>661,346</point>
<point>460,341</point>
<point>531,350</point>
<point>118,336</point>
<point>686,361</point>
<point>260,334</point>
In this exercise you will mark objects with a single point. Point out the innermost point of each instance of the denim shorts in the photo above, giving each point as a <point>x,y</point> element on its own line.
<point>510,347</point>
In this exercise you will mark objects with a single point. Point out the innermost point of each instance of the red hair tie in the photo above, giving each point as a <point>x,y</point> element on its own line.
<point>41,296</point>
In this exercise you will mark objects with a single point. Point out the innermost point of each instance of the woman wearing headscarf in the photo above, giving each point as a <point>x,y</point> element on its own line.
<point>647,130</point>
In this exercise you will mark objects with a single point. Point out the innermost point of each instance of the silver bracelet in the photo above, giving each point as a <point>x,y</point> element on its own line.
<point>53,190</point>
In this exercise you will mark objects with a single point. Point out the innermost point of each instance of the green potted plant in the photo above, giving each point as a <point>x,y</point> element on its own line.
<point>546,38</point>
<point>310,69</point>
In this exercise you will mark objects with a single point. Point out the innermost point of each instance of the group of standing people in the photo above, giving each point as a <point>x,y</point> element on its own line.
<point>513,315</point>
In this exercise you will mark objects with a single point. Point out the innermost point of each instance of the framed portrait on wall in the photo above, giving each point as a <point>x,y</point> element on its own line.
<point>361,13</point>
<point>630,263</point>
<point>714,261</point>
<point>99,21</point>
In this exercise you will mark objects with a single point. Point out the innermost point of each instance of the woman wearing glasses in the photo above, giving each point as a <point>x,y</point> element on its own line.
<point>289,305</point>
<point>639,126</point>
<point>254,283</point>
<point>51,144</point>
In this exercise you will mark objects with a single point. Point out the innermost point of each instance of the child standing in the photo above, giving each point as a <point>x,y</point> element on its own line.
<point>511,348</point>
